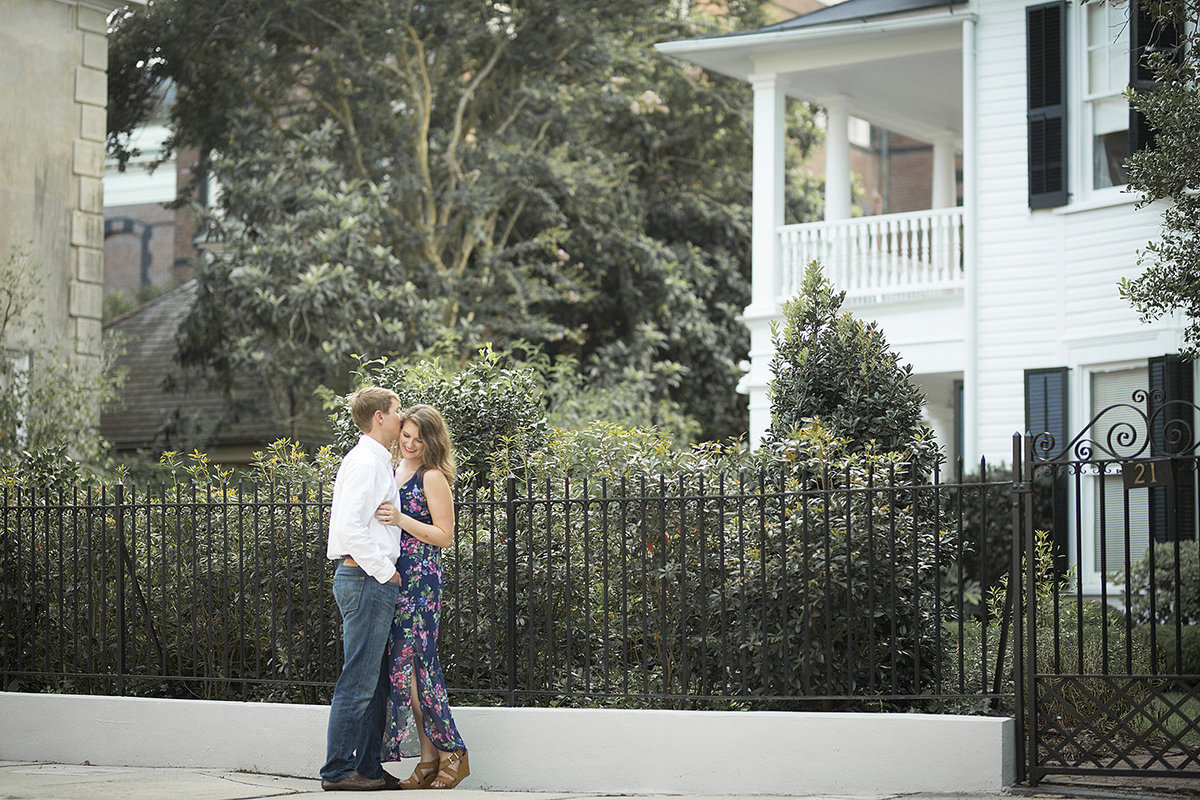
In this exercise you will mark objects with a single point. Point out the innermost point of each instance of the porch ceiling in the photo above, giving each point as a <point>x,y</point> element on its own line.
<point>902,73</point>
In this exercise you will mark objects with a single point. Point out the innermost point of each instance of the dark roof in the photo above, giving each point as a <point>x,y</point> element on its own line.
<point>848,11</point>
<point>161,404</point>
<point>857,10</point>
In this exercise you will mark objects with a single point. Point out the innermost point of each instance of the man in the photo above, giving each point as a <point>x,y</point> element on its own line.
<point>366,587</point>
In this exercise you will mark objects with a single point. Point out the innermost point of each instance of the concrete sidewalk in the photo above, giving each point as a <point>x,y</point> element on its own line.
<point>31,780</point>
<point>22,780</point>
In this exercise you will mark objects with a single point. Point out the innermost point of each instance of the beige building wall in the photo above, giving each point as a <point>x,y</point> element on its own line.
<point>53,95</point>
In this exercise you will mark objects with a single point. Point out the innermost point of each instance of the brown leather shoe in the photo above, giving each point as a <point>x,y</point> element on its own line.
<point>353,782</point>
<point>390,781</point>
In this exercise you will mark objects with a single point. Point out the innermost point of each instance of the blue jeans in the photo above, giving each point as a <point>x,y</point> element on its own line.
<point>360,697</point>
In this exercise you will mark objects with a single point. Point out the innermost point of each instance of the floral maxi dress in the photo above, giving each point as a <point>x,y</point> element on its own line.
<point>412,645</point>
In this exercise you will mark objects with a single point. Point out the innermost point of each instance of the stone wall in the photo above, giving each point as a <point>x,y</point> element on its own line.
<point>54,59</point>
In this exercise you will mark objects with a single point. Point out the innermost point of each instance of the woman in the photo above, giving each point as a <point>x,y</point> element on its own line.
<point>420,721</point>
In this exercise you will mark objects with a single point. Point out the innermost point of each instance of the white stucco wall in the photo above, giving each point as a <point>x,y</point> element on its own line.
<point>563,750</point>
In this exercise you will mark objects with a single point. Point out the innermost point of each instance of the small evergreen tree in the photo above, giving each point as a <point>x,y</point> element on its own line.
<point>845,425</point>
<point>831,366</point>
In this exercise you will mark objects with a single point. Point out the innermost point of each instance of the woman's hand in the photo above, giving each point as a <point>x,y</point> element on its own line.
<point>388,514</point>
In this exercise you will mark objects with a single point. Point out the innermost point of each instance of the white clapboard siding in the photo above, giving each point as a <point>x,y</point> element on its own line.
<point>1017,299</point>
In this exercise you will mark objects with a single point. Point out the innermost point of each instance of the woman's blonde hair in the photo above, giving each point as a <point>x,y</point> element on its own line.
<point>431,428</point>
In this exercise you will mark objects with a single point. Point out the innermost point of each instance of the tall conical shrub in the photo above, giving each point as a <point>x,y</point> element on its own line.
<point>835,367</point>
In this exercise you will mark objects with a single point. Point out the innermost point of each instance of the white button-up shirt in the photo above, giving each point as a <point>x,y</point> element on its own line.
<point>364,480</point>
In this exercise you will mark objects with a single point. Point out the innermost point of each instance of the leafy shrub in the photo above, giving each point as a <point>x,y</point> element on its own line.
<point>1173,597</point>
<point>848,582</point>
<point>602,449</point>
<point>611,524</point>
<point>229,597</point>
<point>624,385</point>
<point>634,584</point>
<point>1174,600</point>
<point>49,399</point>
<point>1076,635</point>
<point>492,405</point>
<point>985,511</point>
<point>706,573</point>
<point>1175,659</point>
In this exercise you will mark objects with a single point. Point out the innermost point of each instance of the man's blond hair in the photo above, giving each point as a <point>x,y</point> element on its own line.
<point>366,401</point>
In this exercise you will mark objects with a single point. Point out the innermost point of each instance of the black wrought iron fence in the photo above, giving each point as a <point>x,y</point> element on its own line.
<point>762,591</point>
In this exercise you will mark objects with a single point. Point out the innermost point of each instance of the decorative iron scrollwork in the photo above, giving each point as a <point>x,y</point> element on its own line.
<point>1159,427</point>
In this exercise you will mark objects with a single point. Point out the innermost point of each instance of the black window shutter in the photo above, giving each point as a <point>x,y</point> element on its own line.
<point>1046,404</point>
<point>1171,431</point>
<point>1046,60</point>
<point>1046,412</point>
<point>1147,34</point>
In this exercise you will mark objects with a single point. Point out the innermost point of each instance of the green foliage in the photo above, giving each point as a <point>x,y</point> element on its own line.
<point>1180,657</point>
<point>1161,596</point>
<point>828,365</point>
<point>642,569</point>
<point>50,400</point>
<point>690,551</point>
<point>303,279</point>
<point>1170,171</point>
<point>492,405</point>
<point>535,172</point>
<point>631,396</point>
<point>231,574</point>
<point>604,450</point>
<point>838,604</point>
<point>844,414</point>
<point>987,532</point>
<point>1081,636</point>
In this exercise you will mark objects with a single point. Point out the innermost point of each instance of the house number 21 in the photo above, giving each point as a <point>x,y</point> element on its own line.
<point>1143,474</point>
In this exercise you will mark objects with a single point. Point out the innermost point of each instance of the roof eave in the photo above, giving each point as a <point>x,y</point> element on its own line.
<point>734,54</point>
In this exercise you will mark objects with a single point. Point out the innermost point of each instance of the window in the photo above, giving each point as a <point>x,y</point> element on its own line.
<point>1105,116</point>
<point>1114,507</point>
<point>14,377</point>
<point>1112,39</point>
<point>1164,388</point>
<point>1148,34</point>
<point>859,131</point>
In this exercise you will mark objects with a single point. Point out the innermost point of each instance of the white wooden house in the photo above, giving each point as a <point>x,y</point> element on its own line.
<point>1006,305</point>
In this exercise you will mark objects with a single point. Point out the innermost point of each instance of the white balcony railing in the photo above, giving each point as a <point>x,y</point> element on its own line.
<point>878,258</point>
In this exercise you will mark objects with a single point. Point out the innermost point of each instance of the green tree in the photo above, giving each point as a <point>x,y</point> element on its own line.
<point>1170,170</point>
<point>302,279</point>
<point>540,175</point>
<point>830,366</point>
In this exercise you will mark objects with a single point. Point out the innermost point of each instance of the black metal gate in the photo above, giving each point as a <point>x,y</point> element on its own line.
<point>1108,564</point>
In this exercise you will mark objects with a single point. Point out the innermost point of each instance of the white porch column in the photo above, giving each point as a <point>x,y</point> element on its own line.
<point>769,127</point>
<point>944,184</point>
<point>768,186</point>
<point>837,160</point>
<point>970,250</point>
